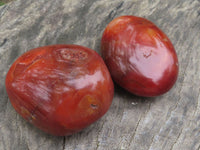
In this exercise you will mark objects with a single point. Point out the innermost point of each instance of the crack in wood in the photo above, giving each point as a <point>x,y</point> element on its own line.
<point>198,148</point>
<point>64,139</point>
<point>120,5</point>
<point>4,42</point>
<point>28,148</point>
<point>121,116</point>
<point>197,104</point>
<point>133,135</point>
<point>112,14</point>
<point>176,139</point>
<point>152,140</point>
<point>98,142</point>
<point>3,10</point>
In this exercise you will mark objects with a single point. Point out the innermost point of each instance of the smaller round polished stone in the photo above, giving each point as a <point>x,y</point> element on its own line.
<point>139,56</point>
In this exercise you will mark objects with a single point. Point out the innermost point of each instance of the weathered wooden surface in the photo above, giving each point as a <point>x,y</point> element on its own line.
<point>168,122</point>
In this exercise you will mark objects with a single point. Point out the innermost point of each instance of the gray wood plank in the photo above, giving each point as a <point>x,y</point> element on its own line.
<point>168,122</point>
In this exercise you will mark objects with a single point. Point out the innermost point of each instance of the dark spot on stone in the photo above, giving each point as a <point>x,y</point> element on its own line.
<point>147,54</point>
<point>94,106</point>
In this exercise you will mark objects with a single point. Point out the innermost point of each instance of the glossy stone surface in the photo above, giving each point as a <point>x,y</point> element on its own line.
<point>61,89</point>
<point>139,56</point>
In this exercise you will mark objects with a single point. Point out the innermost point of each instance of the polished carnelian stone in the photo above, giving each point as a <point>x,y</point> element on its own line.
<point>139,56</point>
<point>61,89</point>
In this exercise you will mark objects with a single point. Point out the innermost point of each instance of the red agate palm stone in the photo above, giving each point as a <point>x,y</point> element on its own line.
<point>139,56</point>
<point>61,89</point>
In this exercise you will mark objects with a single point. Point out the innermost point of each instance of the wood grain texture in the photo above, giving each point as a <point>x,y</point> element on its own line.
<point>168,122</point>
